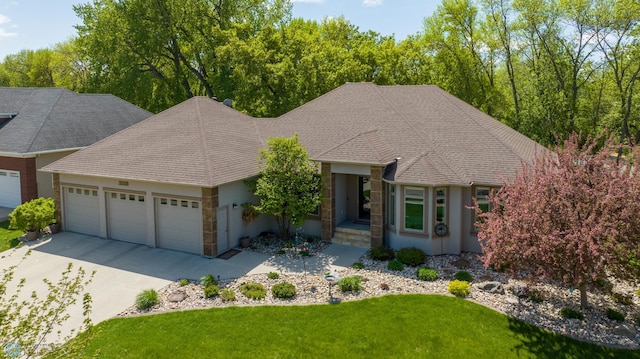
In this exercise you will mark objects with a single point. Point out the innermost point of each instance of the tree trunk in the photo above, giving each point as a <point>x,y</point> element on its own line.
<point>583,296</point>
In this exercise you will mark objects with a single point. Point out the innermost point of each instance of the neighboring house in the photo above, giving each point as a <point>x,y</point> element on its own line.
<point>396,161</point>
<point>41,125</point>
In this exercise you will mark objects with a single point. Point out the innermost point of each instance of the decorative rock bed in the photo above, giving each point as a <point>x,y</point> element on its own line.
<point>497,293</point>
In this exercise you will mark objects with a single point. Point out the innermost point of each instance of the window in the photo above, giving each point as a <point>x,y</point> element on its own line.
<point>414,209</point>
<point>391,206</point>
<point>174,202</point>
<point>140,198</point>
<point>195,205</point>
<point>114,195</point>
<point>132,197</point>
<point>123,196</point>
<point>163,201</point>
<point>482,197</point>
<point>184,204</point>
<point>441,205</point>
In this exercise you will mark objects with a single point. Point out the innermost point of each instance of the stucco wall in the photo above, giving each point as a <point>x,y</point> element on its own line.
<point>44,179</point>
<point>469,237</point>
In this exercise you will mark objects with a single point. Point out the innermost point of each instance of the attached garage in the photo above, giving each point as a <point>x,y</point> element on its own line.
<point>179,224</point>
<point>10,189</point>
<point>81,211</point>
<point>127,217</point>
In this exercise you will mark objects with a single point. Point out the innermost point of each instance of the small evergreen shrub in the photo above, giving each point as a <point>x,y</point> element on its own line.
<point>183,282</point>
<point>459,288</point>
<point>146,299</point>
<point>535,295</point>
<point>288,245</point>
<point>227,295</point>
<point>428,274</point>
<point>211,291</point>
<point>615,315</point>
<point>382,253</point>
<point>621,298</point>
<point>253,290</point>
<point>395,265</point>
<point>273,275</point>
<point>570,313</point>
<point>284,290</point>
<point>463,276</point>
<point>304,253</point>
<point>411,256</point>
<point>281,252</point>
<point>350,284</point>
<point>208,280</point>
<point>357,265</point>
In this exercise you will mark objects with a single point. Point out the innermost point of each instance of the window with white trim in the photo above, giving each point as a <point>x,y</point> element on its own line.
<point>414,209</point>
<point>441,205</point>
<point>482,197</point>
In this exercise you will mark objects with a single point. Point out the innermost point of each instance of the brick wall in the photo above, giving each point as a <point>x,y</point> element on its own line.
<point>209,222</point>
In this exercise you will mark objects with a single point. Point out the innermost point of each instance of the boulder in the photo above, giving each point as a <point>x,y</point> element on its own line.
<point>177,296</point>
<point>520,291</point>
<point>625,330</point>
<point>491,287</point>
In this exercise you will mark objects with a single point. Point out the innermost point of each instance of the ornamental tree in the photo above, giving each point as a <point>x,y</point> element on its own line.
<point>570,216</point>
<point>288,184</point>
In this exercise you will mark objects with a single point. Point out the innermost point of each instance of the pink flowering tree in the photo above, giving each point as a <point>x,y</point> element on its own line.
<point>571,216</point>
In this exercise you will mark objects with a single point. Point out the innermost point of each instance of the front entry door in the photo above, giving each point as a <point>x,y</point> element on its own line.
<point>364,198</point>
<point>223,237</point>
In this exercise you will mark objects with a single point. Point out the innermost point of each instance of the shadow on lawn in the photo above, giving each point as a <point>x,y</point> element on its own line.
<point>544,344</point>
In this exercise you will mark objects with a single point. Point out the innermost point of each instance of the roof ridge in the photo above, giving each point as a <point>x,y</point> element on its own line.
<point>46,118</point>
<point>326,94</point>
<point>373,148</point>
<point>411,163</point>
<point>203,143</point>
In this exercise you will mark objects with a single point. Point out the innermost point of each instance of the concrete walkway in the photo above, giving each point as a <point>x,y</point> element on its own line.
<point>122,270</point>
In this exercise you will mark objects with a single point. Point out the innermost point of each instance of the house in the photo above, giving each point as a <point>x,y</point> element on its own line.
<point>399,166</point>
<point>41,125</point>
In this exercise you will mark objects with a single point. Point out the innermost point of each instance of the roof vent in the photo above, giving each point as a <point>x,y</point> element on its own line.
<point>228,102</point>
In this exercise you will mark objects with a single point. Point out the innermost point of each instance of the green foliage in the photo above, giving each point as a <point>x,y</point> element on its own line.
<point>273,275</point>
<point>146,299</point>
<point>357,265</point>
<point>227,295</point>
<point>350,284</point>
<point>184,282</point>
<point>411,256</point>
<point>288,184</point>
<point>253,290</point>
<point>211,291</point>
<point>33,215</point>
<point>621,298</point>
<point>395,265</point>
<point>289,245</point>
<point>459,288</point>
<point>464,276</point>
<point>304,253</point>
<point>208,280</point>
<point>9,238</point>
<point>638,292</point>
<point>570,313</point>
<point>284,290</point>
<point>427,274</point>
<point>613,314</point>
<point>535,295</point>
<point>382,253</point>
<point>281,252</point>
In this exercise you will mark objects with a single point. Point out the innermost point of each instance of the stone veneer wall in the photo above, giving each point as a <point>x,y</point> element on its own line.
<point>57,199</point>
<point>209,222</point>
<point>377,207</point>
<point>327,208</point>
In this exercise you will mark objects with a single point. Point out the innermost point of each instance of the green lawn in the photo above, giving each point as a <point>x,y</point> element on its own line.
<point>8,237</point>
<point>407,326</point>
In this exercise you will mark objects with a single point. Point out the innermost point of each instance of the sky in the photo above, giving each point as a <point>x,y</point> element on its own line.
<point>35,24</point>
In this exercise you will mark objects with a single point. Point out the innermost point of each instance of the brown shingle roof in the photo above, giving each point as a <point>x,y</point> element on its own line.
<point>438,139</point>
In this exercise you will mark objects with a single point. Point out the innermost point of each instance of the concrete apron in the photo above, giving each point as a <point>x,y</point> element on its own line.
<point>123,270</point>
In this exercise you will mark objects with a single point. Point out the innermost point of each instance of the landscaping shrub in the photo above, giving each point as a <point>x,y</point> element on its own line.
<point>253,290</point>
<point>284,290</point>
<point>459,288</point>
<point>463,276</point>
<point>183,282</point>
<point>411,256</point>
<point>395,265</point>
<point>146,299</point>
<point>382,253</point>
<point>288,245</point>
<point>384,286</point>
<point>273,275</point>
<point>304,253</point>
<point>227,295</point>
<point>281,251</point>
<point>350,284</point>
<point>357,265</point>
<point>621,298</point>
<point>535,295</point>
<point>570,313</point>
<point>208,280</point>
<point>33,215</point>
<point>211,291</point>
<point>615,315</point>
<point>428,274</point>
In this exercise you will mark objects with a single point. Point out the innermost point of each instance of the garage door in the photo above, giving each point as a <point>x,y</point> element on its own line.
<point>81,214</point>
<point>127,217</point>
<point>178,224</point>
<point>10,189</point>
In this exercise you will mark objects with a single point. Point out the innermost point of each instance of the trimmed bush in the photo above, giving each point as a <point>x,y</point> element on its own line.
<point>428,274</point>
<point>273,275</point>
<point>146,299</point>
<point>395,265</point>
<point>284,290</point>
<point>570,313</point>
<point>463,276</point>
<point>614,315</point>
<point>621,298</point>
<point>33,215</point>
<point>411,256</point>
<point>183,282</point>
<point>211,291</point>
<point>228,295</point>
<point>288,245</point>
<point>357,265</point>
<point>350,284</point>
<point>208,280</point>
<point>459,288</point>
<point>382,253</point>
<point>535,295</point>
<point>253,290</point>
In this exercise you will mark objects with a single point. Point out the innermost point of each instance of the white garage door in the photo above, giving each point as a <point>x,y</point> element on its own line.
<point>178,225</point>
<point>10,189</point>
<point>81,212</point>
<point>127,217</point>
